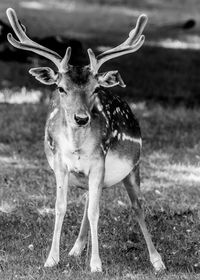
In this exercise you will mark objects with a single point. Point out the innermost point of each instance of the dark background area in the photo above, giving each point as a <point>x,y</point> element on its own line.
<point>169,74</point>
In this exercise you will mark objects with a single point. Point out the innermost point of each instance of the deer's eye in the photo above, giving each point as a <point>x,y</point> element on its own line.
<point>61,90</point>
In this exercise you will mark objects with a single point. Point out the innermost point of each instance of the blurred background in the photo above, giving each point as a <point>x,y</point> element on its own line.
<point>163,89</point>
<point>165,69</point>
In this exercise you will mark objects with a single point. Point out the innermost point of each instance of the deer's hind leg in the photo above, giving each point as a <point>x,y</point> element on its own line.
<point>132,185</point>
<point>82,237</point>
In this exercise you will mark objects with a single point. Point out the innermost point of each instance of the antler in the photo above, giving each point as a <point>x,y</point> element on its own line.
<point>26,43</point>
<point>132,44</point>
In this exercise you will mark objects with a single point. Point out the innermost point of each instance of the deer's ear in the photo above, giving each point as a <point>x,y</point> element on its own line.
<point>45,75</point>
<point>110,79</point>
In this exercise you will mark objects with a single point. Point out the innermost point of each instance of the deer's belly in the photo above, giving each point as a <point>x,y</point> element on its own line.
<point>116,169</point>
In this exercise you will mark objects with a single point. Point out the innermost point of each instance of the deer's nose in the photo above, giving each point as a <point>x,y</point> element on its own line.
<point>81,119</point>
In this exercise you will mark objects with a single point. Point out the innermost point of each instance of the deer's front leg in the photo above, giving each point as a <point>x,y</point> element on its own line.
<point>61,175</point>
<point>96,179</point>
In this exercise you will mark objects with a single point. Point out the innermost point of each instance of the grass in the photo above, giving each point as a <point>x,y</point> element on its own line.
<point>170,185</point>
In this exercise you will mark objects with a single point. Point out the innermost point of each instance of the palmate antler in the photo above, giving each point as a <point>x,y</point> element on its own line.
<point>26,43</point>
<point>132,44</point>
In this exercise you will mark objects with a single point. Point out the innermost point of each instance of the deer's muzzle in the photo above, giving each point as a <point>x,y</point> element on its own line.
<point>81,119</point>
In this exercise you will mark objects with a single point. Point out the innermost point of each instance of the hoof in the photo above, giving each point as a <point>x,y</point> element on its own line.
<point>96,266</point>
<point>51,261</point>
<point>77,249</point>
<point>158,265</point>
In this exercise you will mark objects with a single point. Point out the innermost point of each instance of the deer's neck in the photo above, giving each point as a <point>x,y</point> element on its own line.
<point>77,137</point>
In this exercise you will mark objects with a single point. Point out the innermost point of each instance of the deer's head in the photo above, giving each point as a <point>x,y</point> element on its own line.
<point>77,85</point>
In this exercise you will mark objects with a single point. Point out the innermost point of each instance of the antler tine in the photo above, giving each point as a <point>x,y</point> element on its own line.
<point>135,34</point>
<point>132,44</point>
<point>65,60</point>
<point>26,43</point>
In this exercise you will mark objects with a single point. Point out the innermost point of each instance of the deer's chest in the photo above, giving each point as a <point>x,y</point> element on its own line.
<point>80,162</point>
<point>116,169</point>
<point>77,159</point>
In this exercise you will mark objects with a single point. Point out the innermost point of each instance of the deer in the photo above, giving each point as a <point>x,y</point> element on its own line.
<point>90,133</point>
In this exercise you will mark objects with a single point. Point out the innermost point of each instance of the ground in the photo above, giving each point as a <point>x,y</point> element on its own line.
<point>162,89</point>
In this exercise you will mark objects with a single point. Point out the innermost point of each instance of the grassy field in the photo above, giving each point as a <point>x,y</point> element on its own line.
<point>165,85</point>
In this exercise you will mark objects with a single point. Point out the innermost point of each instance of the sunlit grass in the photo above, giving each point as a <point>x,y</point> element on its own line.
<point>20,96</point>
<point>35,5</point>
<point>5,207</point>
<point>180,173</point>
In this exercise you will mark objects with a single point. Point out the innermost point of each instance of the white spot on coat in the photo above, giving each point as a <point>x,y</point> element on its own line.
<point>52,115</point>
<point>132,139</point>
<point>115,132</point>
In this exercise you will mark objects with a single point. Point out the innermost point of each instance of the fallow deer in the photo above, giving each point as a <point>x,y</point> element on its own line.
<point>91,133</point>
